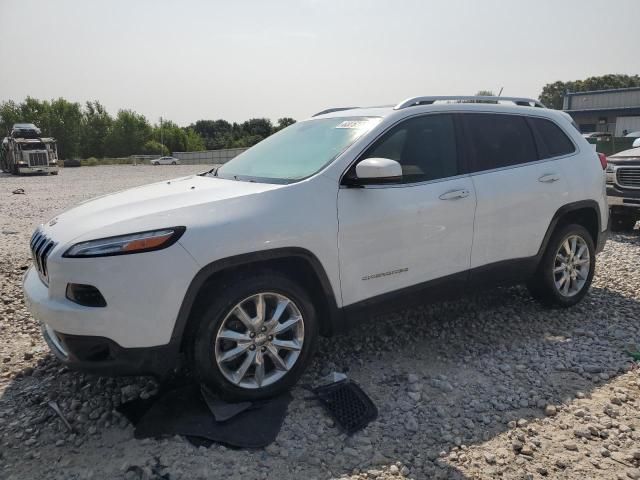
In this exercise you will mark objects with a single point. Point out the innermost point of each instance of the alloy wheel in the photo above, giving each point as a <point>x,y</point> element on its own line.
<point>571,266</point>
<point>259,340</point>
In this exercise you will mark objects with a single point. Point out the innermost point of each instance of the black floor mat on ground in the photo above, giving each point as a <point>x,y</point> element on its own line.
<point>348,404</point>
<point>183,411</point>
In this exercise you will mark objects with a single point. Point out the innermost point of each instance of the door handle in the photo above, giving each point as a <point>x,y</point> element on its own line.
<point>454,195</point>
<point>549,178</point>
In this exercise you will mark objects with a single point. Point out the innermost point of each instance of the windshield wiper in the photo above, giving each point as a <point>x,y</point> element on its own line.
<point>213,171</point>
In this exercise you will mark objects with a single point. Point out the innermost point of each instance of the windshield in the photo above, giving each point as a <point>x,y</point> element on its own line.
<point>298,151</point>
<point>32,146</point>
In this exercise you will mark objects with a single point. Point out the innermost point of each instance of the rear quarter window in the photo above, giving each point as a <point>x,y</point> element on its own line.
<point>552,141</point>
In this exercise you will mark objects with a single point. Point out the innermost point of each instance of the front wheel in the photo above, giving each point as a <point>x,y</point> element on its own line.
<point>567,267</point>
<point>255,340</point>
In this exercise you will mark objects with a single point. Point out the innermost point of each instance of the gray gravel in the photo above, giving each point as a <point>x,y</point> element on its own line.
<point>493,386</point>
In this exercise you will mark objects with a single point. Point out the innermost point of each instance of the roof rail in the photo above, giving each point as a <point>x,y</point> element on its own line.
<point>411,102</point>
<point>331,110</point>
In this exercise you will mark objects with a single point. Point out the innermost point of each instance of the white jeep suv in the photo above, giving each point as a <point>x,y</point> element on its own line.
<point>237,271</point>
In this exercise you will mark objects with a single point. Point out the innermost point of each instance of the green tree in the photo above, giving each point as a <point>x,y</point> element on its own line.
<point>553,93</point>
<point>59,118</point>
<point>65,124</point>
<point>151,147</point>
<point>37,112</point>
<point>261,127</point>
<point>171,135</point>
<point>284,123</point>
<point>195,143</point>
<point>96,126</point>
<point>215,133</point>
<point>10,113</point>
<point>128,135</point>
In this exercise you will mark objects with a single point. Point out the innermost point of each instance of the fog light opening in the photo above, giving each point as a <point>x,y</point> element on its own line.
<point>85,295</point>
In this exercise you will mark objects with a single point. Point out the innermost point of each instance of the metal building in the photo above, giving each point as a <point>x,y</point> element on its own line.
<point>615,111</point>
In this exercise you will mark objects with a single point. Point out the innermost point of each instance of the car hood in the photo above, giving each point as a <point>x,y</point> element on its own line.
<point>157,205</point>
<point>627,157</point>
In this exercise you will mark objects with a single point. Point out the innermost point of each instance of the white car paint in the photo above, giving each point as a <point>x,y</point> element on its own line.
<point>354,233</point>
<point>391,238</point>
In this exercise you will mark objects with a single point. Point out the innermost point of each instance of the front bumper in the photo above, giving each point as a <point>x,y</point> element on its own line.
<point>627,199</point>
<point>36,170</point>
<point>133,333</point>
<point>104,356</point>
<point>91,353</point>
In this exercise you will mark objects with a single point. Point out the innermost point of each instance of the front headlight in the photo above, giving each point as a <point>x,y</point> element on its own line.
<point>611,173</point>
<point>126,244</point>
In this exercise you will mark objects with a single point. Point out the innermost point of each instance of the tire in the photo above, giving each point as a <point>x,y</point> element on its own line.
<point>544,287</point>
<point>622,223</point>
<point>209,349</point>
<point>173,163</point>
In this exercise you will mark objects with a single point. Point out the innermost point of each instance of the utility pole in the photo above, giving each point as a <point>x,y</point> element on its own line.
<point>161,139</point>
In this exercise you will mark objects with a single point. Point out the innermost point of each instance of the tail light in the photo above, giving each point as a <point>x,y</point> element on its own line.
<point>603,160</point>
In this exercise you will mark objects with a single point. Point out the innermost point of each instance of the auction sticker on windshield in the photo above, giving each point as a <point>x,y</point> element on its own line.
<point>355,124</point>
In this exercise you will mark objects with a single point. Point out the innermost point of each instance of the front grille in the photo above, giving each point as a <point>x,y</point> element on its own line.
<point>38,159</point>
<point>41,247</point>
<point>628,177</point>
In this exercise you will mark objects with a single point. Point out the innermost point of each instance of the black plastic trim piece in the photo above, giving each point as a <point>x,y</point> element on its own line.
<point>177,233</point>
<point>334,320</point>
<point>102,355</point>
<point>448,287</point>
<point>571,207</point>
<point>615,191</point>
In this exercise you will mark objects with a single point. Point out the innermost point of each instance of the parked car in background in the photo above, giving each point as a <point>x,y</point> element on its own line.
<point>633,134</point>
<point>636,143</point>
<point>623,188</point>
<point>165,161</point>
<point>600,136</point>
<point>237,271</point>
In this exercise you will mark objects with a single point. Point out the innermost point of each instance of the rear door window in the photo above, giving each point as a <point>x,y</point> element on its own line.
<point>498,140</point>
<point>552,141</point>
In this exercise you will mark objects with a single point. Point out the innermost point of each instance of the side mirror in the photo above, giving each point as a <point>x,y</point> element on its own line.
<point>372,171</point>
<point>636,143</point>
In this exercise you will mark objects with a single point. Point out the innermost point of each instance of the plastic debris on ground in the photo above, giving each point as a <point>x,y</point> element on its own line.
<point>346,402</point>
<point>203,419</point>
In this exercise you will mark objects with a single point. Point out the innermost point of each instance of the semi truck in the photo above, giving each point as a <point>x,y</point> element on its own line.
<point>25,151</point>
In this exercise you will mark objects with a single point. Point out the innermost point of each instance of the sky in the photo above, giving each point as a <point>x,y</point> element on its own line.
<point>188,60</point>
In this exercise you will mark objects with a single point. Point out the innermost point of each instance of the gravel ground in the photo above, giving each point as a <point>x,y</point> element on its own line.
<point>488,387</point>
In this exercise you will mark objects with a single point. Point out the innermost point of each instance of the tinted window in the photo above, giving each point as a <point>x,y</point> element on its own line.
<point>425,147</point>
<point>499,140</point>
<point>553,141</point>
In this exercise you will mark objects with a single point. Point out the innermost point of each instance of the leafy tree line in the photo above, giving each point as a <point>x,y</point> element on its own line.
<point>90,131</point>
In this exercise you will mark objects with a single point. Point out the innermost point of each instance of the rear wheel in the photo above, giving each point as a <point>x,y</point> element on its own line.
<point>256,338</point>
<point>567,267</point>
<point>622,223</point>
